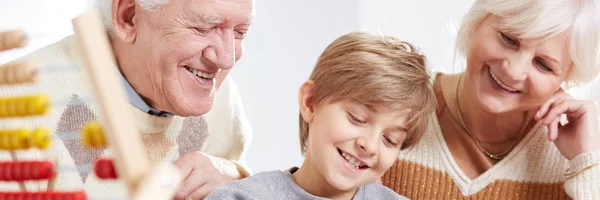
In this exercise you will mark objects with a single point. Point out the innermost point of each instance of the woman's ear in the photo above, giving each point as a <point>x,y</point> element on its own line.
<point>305,100</point>
<point>123,19</point>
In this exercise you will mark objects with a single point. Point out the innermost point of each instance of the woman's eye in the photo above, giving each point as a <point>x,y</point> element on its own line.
<point>509,40</point>
<point>543,65</point>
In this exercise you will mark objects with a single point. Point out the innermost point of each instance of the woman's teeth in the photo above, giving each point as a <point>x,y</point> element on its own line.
<point>199,73</point>
<point>504,86</point>
<point>355,163</point>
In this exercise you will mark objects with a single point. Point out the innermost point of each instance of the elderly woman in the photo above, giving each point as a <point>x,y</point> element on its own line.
<point>498,131</point>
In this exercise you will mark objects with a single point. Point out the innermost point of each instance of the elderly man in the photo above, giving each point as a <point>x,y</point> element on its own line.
<point>174,55</point>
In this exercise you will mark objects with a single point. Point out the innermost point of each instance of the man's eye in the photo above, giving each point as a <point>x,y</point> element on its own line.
<point>241,34</point>
<point>204,31</point>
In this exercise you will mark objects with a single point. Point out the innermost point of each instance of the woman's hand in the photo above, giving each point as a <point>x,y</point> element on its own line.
<point>581,134</point>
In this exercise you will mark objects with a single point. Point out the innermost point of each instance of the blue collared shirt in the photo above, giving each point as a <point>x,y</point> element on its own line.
<point>138,102</point>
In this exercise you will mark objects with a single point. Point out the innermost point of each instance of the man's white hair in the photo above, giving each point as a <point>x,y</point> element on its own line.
<point>579,19</point>
<point>105,9</point>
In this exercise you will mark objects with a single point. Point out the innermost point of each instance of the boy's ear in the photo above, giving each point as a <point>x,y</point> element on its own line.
<point>305,100</point>
<point>124,19</point>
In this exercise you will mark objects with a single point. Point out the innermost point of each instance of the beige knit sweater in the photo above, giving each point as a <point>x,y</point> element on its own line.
<point>533,170</point>
<point>223,132</point>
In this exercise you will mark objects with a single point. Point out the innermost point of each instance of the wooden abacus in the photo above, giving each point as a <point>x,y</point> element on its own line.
<point>117,131</point>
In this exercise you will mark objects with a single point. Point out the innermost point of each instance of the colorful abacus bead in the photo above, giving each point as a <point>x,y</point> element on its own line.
<point>26,170</point>
<point>12,39</point>
<point>104,169</point>
<point>18,139</point>
<point>24,106</point>
<point>41,138</point>
<point>46,195</point>
<point>92,135</point>
<point>17,73</point>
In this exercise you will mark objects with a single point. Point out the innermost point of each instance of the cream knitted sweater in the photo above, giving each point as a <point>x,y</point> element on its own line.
<point>533,170</point>
<point>223,132</point>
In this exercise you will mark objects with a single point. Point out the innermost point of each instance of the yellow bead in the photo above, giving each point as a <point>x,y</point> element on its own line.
<point>10,107</point>
<point>4,139</point>
<point>21,106</point>
<point>92,135</point>
<point>3,107</point>
<point>41,105</point>
<point>42,138</point>
<point>18,139</point>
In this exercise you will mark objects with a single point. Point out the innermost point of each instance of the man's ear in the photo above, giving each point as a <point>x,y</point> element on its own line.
<point>305,100</point>
<point>123,19</point>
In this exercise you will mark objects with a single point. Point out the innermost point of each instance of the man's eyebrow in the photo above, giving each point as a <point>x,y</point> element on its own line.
<point>211,19</point>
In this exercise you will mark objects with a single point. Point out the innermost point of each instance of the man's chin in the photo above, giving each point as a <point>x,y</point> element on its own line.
<point>194,109</point>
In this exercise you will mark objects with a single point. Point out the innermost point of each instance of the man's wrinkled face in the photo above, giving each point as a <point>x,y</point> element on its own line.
<point>186,48</point>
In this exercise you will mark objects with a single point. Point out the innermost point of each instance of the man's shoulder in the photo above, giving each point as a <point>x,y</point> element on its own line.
<point>378,191</point>
<point>61,52</point>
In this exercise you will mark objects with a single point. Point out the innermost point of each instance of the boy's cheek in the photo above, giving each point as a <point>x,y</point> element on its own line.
<point>387,159</point>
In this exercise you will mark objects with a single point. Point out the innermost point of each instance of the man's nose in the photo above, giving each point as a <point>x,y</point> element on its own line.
<point>221,51</point>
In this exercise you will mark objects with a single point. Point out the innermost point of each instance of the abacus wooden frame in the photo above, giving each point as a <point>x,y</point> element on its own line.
<point>130,159</point>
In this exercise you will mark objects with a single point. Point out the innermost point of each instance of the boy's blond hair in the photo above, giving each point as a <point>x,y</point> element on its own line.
<point>380,72</point>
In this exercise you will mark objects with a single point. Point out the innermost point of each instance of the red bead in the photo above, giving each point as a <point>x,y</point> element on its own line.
<point>104,169</point>
<point>76,195</point>
<point>26,170</point>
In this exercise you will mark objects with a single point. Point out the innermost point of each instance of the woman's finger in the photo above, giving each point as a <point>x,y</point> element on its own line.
<point>553,130</point>
<point>557,108</point>
<point>559,95</point>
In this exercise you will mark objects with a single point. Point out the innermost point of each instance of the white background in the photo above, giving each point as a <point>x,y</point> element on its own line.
<point>280,52</point>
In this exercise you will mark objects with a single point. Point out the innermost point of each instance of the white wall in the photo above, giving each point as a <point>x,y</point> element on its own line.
<point>44,21</point>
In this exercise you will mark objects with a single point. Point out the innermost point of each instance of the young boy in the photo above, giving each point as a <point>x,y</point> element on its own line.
<point>367,98</point>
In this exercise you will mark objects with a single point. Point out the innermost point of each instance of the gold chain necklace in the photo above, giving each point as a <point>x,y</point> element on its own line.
<point>496,157</point>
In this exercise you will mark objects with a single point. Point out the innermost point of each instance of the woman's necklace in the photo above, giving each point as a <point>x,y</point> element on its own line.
<point>496,157</point>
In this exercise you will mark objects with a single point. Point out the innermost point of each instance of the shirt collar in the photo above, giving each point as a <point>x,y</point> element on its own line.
<point>138,102</point>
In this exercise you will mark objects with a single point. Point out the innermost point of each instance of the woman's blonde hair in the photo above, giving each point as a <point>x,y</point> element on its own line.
<point>579,19</point>
<point>380,72</point>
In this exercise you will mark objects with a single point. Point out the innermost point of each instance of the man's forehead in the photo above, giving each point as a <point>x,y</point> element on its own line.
<point>217,12</point>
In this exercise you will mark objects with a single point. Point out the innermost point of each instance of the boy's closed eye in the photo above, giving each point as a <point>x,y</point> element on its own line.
<point>355,119</point>
<point>390,141</point>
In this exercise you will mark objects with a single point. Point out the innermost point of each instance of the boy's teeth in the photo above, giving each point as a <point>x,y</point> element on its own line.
<point>199,73</point>
<point>355,163</point>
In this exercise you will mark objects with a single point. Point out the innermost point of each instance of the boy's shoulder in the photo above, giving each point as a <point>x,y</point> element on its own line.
<point>264,185</point>
<point>377,191</point>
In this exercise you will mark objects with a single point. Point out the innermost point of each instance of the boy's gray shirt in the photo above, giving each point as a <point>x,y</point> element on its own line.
<point>281,185</point>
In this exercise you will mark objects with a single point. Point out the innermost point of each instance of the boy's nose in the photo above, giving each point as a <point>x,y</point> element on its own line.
<point>367,145</point>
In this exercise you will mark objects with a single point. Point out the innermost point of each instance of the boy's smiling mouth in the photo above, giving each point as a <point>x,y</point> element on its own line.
<point>353,160</point>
